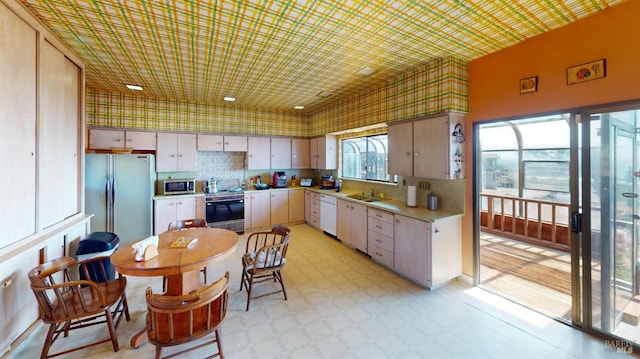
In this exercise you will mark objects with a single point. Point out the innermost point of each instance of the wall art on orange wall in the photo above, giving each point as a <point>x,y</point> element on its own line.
<point>530,84</point>
<point>586,72</point>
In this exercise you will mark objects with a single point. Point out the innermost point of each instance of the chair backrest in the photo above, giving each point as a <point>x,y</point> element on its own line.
<point>258,240</point>
<point>58,295</point>
<point>187,223</point>
<point>173,320</point>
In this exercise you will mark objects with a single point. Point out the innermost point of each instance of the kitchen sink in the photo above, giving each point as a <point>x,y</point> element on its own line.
<point>364,198</point>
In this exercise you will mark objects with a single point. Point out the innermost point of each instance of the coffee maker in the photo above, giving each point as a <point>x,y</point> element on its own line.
<point>279,179</point>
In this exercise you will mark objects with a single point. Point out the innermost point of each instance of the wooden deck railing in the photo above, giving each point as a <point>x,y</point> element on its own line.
<point>533,221</point>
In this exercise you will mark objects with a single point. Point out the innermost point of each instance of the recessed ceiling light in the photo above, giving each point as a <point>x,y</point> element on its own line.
<point>366,71</point>
<point>298,107</point>
<point>134,87</point>
<point>324,94</point>
<point>229,98</point>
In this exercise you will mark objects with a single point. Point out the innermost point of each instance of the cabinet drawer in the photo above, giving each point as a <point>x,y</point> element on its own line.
<point>380,215</point>
<point>381,241</point>
<point>381,256</point>
<point>379,226</point>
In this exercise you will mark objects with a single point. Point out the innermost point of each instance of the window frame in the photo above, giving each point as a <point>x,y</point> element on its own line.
<point>391,179</point>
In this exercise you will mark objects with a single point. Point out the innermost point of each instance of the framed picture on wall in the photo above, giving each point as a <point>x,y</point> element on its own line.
<point>586,72</point>
<point>530,84</point>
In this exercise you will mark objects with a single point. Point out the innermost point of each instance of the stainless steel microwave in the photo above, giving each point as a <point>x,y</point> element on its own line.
<point>178,186</point>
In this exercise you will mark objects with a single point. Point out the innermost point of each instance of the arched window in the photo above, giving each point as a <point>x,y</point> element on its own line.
<point>365,158</point>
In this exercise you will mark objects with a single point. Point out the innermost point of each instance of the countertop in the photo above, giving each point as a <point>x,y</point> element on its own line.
<point>389,205</point>
<point>162,196</point>
<point>394,206</point>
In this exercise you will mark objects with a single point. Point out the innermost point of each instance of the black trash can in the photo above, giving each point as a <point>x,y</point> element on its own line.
<point>98,244</point>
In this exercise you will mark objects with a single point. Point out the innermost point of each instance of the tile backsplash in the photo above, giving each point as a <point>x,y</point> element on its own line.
<point>221,165</point>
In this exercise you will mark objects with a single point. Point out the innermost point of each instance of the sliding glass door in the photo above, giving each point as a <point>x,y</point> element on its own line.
<point>558,217</point>
<point>613,227</point>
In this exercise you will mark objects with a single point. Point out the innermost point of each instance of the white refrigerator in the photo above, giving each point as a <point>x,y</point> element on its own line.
<point>119,191</point>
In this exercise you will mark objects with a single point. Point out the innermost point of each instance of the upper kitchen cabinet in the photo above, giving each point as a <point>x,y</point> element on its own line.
<point>58,160</point>
<point>18,127</point>
<point>176,152</point>
<point>259,153</point>
<point>428,148</point>
<point>222,143</point>
<point>280,153</point>
<point>323,152</point>
<point>400,137</point>
<point>210,142</point>
<point>140,140</point>
<point>235,143</point>
<point>105,139</point>
<point>299,153</point>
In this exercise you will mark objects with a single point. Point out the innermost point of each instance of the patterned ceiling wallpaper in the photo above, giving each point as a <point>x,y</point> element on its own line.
<point>436,87</point>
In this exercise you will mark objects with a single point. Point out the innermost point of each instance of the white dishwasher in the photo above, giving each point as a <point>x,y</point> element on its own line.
<point>328,214</point>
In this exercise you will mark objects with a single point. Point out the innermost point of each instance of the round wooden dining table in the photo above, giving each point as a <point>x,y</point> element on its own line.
<point>181,265</point>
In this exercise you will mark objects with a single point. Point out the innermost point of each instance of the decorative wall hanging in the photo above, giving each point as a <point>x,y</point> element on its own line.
<point>530,84</point>
<point>586,72</point>
<point>457,134</point>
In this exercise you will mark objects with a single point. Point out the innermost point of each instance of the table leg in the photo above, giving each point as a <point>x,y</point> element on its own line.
<point>139,338</point>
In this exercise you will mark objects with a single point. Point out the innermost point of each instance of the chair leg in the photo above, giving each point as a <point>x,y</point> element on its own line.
<point>249,289</point>
<point>48,341</point>
<point>112,330</point>
<point>158,352</point>
<point>219,343</point>
<point>281,280</point>
<point>242,279</point>
<point>126,308</point>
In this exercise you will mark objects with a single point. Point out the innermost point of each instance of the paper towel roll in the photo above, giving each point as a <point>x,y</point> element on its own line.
<point>411,196</point>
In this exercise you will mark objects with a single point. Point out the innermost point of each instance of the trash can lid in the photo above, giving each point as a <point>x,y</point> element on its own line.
<point>98,242</point>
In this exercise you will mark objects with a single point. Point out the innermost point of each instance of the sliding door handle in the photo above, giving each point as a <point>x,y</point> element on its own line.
<point>576,222</point>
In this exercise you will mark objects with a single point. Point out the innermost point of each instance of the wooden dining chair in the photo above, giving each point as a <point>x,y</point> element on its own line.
<point>176,320</point>
<point>185,224</point>
<point>264,258</point>
<point>67,304</point>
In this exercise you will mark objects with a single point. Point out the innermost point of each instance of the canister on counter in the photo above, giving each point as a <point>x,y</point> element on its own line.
<point>432,201</point>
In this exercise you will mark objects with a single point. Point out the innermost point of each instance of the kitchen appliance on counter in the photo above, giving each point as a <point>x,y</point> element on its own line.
<point>119,192</point>
<point>212,186</point>
<point>327,182</point>
<point>279,179</point>
<point>178,186</point>
<point>306,182</point>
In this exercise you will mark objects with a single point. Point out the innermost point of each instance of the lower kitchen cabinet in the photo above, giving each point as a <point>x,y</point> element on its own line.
<point>312,209</point>
<point>259,209</point>
<point>296,205</point>
<point>380,237</point>
<point>279,207</point>
<point>352,224</point>
<point>167,210</point>
<point>427,253</point>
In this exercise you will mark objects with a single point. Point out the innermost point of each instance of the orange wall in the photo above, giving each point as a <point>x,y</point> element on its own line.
<point>494,79</point>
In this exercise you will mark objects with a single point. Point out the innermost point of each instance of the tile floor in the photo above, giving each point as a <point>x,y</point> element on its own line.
<point>343,305</point>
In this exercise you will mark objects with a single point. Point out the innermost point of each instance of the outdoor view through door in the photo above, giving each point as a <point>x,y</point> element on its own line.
<point>526,182</point>
<point>612,200</point>
<point>524,213</point>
